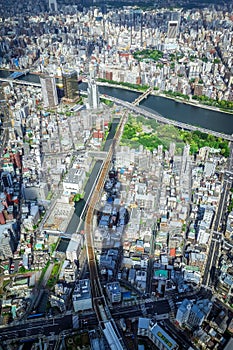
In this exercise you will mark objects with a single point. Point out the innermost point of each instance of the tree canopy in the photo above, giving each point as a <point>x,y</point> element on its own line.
<point>148,133</point>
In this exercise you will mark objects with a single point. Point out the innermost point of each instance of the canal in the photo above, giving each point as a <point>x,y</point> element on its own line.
<point>79,206</point>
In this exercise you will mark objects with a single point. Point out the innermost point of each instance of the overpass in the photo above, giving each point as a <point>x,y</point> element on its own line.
<point>142,96</point>
<point>158,117</point>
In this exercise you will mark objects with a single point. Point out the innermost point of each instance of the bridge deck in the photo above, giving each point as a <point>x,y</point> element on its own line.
<point>165,120</point>
<point>142,96</point>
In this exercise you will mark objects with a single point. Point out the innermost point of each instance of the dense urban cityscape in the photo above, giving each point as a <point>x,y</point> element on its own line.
<point>116,220</point>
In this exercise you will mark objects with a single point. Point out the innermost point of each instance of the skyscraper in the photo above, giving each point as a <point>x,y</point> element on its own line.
<point>70,85</point>
<point>53,5</point>
<point>93,95</point>
<point>172,29</point>
<point>49,91</point>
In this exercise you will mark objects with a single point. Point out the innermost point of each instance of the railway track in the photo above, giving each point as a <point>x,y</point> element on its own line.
<point>99,302</point>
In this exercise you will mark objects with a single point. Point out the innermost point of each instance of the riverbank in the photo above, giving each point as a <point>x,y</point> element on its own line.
<point>193,103</point>
<point>204,116</point>
<point>157,93</point>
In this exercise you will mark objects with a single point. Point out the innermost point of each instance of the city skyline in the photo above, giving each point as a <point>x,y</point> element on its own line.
<point>116,221</point>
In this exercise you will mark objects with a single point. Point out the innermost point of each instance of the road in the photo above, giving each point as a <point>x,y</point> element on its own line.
<point>99,303</point>
<point>209,277</point>
<point>179,335</point>
<point>35,328</point>
<point>164,120</point>
<point>152,307</point>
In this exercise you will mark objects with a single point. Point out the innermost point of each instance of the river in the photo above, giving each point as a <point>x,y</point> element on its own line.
<point>205,118</point>
<point>209,119</point>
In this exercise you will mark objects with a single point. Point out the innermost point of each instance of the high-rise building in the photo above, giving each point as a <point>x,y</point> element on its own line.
<point>183,311</point>
<point>6,179</point>
<point>53,5</point>
<point>49,91</point>
<point>172,29</point>
<point>156,334</point>
<point>93,95</point>
<point>8,240</point>
<point>70,85</point>
<point>184,170</point>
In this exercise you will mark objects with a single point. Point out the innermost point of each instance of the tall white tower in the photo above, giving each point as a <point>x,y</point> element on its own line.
<point>93,95</point>
<point>53,5</point>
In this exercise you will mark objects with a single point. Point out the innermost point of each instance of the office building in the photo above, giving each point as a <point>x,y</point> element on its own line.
<point>156,334</point>
<point>196,317</point>
<point>93,95</point>
<point>8,240</point>
<point>49,91</point>
<point>161,339</point>
<point>74,248</point>
<point>6,246</point>
<point>198,313</point>
<point>6,180</point>
<point>184,169</point>
<point>172,29</point>
<point>70,85</point>
<point>183,311</point>
<point>74,181</point>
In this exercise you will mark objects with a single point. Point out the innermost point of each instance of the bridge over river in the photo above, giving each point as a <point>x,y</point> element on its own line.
<point>142,96</point>
<point>132,106</point>
<point>164,120</point>
<point>14,80</point>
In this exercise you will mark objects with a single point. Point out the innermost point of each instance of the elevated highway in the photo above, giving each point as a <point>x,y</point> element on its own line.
<point>98,154</point>
<point>165,120</point>
<point>217,233</point>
